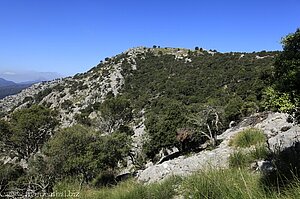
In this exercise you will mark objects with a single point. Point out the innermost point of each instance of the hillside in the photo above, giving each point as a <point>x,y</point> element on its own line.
<point>163,87</point>
<point>4,82</point>
<point>135,113</point>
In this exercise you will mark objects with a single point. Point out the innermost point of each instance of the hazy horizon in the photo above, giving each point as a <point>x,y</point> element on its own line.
<point>22,76</point>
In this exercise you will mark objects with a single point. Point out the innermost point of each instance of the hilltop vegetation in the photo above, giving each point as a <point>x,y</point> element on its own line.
<point>131,108</point>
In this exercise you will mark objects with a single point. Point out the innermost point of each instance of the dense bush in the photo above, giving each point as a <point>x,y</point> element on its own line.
<point>284,93</point>
<point>40,95</point>
<point>287,65</point>
<point>81,152</point>
<point>115,111</point>
<point>27,131</point>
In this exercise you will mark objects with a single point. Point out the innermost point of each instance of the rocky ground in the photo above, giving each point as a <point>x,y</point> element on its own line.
<point>280,133</point>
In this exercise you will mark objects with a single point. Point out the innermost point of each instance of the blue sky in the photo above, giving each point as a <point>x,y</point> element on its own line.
<point>71,36</point>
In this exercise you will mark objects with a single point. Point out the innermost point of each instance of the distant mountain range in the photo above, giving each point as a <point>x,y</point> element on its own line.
<point>13,82</point>
<point>4,82</point>
<point>10,88</point>
<point>28,76</point>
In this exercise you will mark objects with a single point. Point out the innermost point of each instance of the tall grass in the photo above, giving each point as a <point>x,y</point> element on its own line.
<point>234,183</point>
<point>220,184</point>
<point>247,138</point>
<point>243,159</point>
<point>129,189</point>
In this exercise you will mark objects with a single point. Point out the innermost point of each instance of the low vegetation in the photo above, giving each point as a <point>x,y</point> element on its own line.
<point>129,189</point>
<point>229,183</point>
<point>247,138</point>
<point>244,158</point>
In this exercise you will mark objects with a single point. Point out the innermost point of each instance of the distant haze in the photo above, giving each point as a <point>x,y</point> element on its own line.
<point>28,76</point>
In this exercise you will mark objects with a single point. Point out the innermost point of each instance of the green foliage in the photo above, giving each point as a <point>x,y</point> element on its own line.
<point>287,168</point>
<point>8,174</point>
<point>83,118</point>
<point>260,152</point>
<point>243,159</point>
<point>228,183</point>
<point>239,159</point>
<point>224,80</point>
<point>287,65</point>
<point>162,125</point>
<point>129,189</point>
<point>233,108</point>
<point>79,151</point>
<point>115,111</point>
<point>274,100</point>
<point>40,96</point>
<point>27,130</point>
<point>247,138</point>
<point>285,94</point>
<point>104,178</point>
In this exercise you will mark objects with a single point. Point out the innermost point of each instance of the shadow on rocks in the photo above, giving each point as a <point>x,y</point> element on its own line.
<point>286,168</point>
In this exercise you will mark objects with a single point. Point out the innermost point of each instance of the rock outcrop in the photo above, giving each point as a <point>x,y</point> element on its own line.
<point>280,133</point>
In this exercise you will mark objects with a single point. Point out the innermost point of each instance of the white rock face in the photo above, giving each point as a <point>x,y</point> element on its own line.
<point>280,133</point>
<point>187,165</point>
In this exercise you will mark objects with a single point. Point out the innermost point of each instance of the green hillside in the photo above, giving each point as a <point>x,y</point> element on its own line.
<point>126,113</point>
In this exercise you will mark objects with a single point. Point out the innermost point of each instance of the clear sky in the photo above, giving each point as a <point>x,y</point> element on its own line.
<point>71,36</point>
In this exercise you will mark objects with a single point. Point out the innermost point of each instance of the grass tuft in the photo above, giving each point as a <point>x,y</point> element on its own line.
<point>247,138</point>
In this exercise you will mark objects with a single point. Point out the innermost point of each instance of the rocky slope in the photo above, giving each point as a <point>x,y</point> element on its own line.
<point>280,135</point>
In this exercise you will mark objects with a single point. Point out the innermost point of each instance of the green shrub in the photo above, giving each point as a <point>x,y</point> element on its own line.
<point>276,101</point>
<point>247,138</point>
<point>27,131</point>
<point>40,96</point>
<point>104,178</point>
<point>9,173</point>
<point>80,151</point>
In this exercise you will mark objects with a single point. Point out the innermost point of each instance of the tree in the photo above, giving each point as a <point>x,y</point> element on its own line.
<point>27,131</point>
<point>81,152</point>
<point>208,122</point>
<point>287,65</point>
<point>233,109</point>
<point>162,123</point>
<point>115,112</point>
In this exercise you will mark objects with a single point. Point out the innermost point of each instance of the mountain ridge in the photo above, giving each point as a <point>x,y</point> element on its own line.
<point>110,70</point>
<point>4,82</point>
<point>150,82</point>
